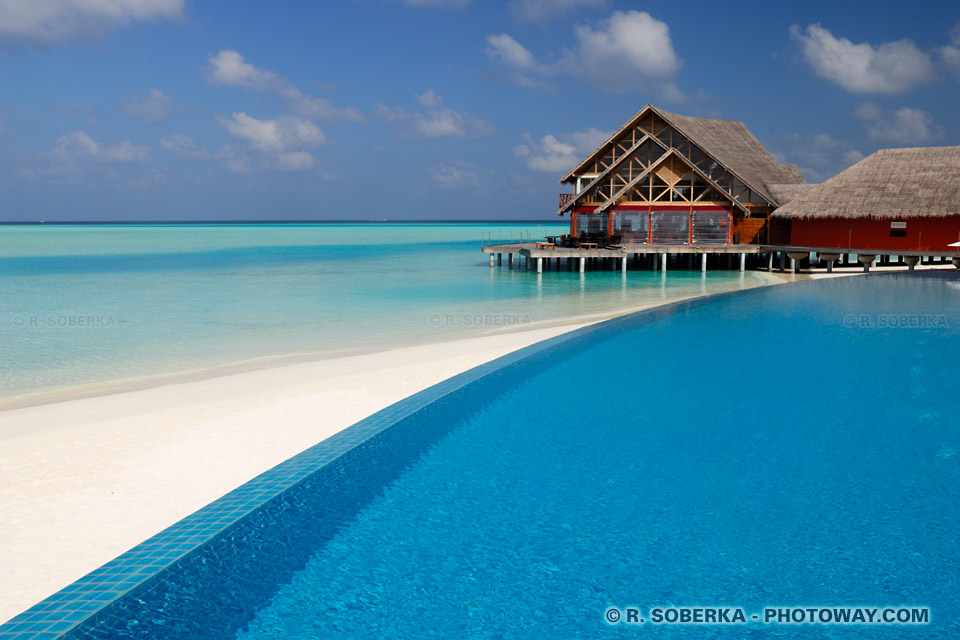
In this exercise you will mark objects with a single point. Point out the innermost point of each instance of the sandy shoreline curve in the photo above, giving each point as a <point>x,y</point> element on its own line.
<point>110,387</point>
<point>84,478</point>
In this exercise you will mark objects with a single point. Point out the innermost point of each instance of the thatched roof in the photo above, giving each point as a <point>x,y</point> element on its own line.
<point>891,183</point>
<point>729,143</point>
<point>732,145</point>
<point>792,174</point>
<point>784,193</point>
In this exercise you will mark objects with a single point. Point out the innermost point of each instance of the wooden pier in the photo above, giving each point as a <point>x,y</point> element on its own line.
<point>537,255</point>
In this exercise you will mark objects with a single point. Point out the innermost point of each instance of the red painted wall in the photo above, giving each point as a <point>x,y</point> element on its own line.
<point>923,234</point>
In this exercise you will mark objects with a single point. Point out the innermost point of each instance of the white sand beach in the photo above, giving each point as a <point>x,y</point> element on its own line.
<point>83,480</point>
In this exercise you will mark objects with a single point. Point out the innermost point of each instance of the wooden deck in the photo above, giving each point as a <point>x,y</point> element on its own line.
<point>530,250</point>
<point>657,256</point>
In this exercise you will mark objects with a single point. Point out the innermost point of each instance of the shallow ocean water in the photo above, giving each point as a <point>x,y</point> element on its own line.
<point>82,305</point>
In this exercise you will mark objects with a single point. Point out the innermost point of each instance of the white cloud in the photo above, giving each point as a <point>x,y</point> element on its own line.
<point>540,10</point>
<point>852,157</point>
<point>903,126</point>
<point>180,144</point>
<point>229,68</point>
<point>436,122</point>
<point>77,156</point>
<point>79,145</point>
<point>321,108</point>
<point>629,51</point>
<point>892,67</point>
<point>556,154</point>
<point>294,161</point>
<point>429,98</point>
<point>284,141</point>
<point>154,107</point>
<point>950,54</point>
<point>505,49</point>
<point>47,22</point>
<point>629,48</point>
<point>820,156</point>
<point>236,159</point>
<point>458,175</point>
<point>274,136</point>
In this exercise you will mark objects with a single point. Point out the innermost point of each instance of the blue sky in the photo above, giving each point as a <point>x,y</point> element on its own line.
<point>431,109</point>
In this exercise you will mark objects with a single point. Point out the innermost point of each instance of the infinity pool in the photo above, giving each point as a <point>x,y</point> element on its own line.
<point>790,446</point>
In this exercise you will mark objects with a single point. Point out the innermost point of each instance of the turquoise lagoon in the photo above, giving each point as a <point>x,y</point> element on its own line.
<point>92,304</point>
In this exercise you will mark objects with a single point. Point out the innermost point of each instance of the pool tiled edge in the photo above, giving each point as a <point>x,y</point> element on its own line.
<point>95,596</point>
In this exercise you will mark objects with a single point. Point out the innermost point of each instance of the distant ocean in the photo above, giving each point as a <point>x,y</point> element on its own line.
<point>82,305</point>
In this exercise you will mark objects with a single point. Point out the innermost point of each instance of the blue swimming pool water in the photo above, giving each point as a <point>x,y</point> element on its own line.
<point>753,452</point>
<point>794,445</point>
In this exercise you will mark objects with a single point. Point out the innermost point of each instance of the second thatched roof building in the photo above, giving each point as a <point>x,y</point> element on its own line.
<point>895,199</point>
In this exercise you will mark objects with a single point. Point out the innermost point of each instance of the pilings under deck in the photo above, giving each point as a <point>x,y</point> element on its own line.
<point>658,257</point>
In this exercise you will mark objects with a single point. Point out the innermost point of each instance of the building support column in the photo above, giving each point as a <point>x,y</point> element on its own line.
<point>796,258</point>
<point>866,260</point>
<point>703,263</point>
<point>623,264</point>
<point>829,258</point>
<point>539,265</point>
<point>743,262</point>
<point>510,260</point>
<point>583,263</point>
<point>491,259</point>
<point>663,262</point>
<point>911,262</point>
<point>783,261</point>
<point>499,258</point>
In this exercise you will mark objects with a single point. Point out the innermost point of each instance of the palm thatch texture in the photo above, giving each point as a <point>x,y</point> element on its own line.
<point>891,183</point>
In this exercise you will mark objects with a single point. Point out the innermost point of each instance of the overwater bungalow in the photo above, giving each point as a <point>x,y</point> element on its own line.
<point>670,179</point>
<point>670,185</point>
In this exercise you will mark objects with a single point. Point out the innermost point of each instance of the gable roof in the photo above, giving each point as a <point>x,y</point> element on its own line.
<point>613,166</point>
<point>891,183</point>
<point>672,153</point>
<point>729,143</point>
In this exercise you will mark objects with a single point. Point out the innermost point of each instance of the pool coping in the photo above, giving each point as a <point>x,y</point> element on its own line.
<point>144,564</point>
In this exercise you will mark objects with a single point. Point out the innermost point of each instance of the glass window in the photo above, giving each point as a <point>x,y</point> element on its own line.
<point>631,226</point>
<point>711,227</point>
<point>670,226</point>
<point>591,224</point>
